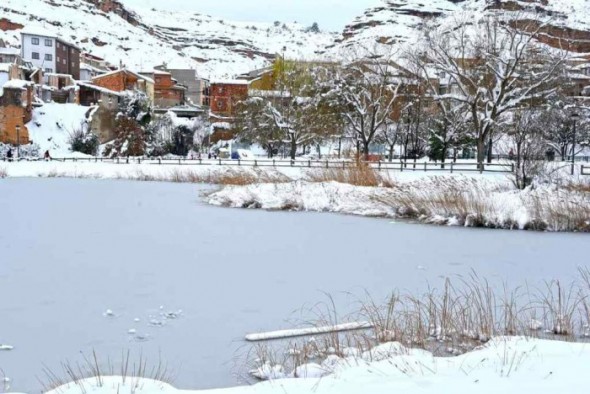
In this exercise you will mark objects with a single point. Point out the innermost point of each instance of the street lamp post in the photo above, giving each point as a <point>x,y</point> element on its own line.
<point>17,142</point>
<point>574,116</point>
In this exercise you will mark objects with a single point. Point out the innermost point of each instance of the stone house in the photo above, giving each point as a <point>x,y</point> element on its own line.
<point>104,105</point>
<point>16,110</point>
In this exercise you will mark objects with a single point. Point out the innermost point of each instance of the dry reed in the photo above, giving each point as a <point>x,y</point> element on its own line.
<point>460,316</point>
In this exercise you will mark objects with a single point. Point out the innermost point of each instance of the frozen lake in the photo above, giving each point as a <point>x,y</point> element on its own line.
<point>72,249</point>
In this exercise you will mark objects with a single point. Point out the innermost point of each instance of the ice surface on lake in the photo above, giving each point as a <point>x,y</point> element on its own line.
<point>72,249</point>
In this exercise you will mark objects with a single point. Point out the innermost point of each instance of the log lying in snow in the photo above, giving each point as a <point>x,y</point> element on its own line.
<point>283,334</point>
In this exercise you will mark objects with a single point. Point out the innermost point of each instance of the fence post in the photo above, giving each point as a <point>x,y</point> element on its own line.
<point>127,161</point>
<point>309,163</point>
<point>255,163</point>
<point>481,168</point>
<point>327,164</point>
<point>379,165</point>
<point>425,167</point>
<point>239,162</point>
<point>274,165</point>
<point>220,161</point>
<point>573,168</point>
<point>452,167</point>
<point>139,160</point>
<point>159,160</point>
<point>512,169</point>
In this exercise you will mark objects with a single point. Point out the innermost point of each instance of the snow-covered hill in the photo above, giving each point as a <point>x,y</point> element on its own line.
<point>144,38</point>
<point>402,21</point>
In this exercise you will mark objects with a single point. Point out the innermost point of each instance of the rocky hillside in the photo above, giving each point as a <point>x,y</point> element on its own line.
<point>401,21</point>
<point>144,38</point>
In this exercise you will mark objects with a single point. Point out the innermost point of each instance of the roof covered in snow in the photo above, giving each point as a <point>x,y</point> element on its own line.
<point>9,51</point>
<point>230,82</point>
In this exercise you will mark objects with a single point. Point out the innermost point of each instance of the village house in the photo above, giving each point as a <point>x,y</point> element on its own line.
<point>16,110</point>
<point>10,55</point>
<point>222,99</point>
<point>49,52</point>
<point>167,92</point>
<point>123,79</point>
<point>92,66</point>
<point>187,77</point>
<point>103,106</point>
<point>224,95</point>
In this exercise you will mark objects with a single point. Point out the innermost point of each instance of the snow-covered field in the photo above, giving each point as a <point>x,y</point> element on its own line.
<point>111,265</point>
<point>505,365</point>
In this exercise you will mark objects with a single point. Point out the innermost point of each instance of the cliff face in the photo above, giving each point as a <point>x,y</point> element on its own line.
<point>116,7</point>
<point>560,23</point>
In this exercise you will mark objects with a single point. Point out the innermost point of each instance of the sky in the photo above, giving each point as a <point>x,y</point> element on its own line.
<point>331,15</point>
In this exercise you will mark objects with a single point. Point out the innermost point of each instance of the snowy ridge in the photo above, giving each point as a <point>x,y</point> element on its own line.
<point>144,38</point>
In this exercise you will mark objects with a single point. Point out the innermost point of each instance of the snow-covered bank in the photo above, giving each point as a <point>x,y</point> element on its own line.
<point>510,365</point>
<point>463,201</point>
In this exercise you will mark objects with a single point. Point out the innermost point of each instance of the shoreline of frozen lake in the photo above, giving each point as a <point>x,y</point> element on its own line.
<point>73,249</point>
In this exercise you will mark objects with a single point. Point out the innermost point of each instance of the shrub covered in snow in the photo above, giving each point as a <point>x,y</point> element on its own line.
<point>84,141</point>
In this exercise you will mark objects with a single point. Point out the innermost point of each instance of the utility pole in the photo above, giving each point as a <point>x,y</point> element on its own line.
<point>575,116</point>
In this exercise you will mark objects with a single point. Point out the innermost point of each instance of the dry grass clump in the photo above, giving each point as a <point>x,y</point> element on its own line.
<point>460,316</point>
<point>581,187</point>
<point>229,177</point>
<point>91,372</point>
<point>360,174</point>
<point>570,211</point>
<point>444,201</point>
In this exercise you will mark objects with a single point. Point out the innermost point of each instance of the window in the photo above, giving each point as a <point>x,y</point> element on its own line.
<point>220,105</point>
<point>58,59</point>
<point>48,42</point>
<point>35,55</point>
<point>48,57</point>
<point>64,61</point>
<point>35,40</point>
<point>48,70</point>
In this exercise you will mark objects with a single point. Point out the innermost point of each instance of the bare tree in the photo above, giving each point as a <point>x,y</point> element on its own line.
<point>491,68</point>
<point>367,92</point>
<point>295,114</point>
<point>525,132</point>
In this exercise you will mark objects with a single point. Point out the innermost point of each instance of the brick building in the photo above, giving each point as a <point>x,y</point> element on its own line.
<point>16,110</point>
<point>167,92</point>
<point>121,80</point>
<point>224,95</point>
<point>187,77</point>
